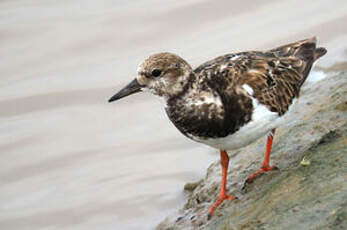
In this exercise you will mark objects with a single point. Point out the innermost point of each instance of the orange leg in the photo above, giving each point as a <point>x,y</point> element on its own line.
<point>222,195</point>
<point>266,164</point>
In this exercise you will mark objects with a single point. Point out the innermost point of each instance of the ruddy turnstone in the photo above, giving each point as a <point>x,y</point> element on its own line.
<point>230,101</point>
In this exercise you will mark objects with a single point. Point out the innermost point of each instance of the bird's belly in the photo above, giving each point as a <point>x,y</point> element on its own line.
<point>243,137</point>
<point>263,121</point>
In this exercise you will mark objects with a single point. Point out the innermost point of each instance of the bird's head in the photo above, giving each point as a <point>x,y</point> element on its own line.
<point>163,74</point>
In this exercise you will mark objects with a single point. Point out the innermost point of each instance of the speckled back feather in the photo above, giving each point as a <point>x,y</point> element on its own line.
<point>232,91</point>
<point>275,75</point>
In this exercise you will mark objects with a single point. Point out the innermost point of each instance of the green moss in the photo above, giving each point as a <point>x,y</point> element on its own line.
<point>342,106</point>
<point>312,197</point>
<point>191,186</point>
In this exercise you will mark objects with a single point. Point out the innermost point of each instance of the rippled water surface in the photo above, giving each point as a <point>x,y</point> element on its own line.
<point>71,160</point>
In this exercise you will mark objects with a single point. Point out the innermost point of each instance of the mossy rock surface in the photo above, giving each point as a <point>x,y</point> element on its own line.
<point>298,196</point>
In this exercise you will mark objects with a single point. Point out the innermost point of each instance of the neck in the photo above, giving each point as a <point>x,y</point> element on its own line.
<point>180,88</point>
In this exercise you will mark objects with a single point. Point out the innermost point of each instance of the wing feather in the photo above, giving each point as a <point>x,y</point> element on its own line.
<point>275,76</point>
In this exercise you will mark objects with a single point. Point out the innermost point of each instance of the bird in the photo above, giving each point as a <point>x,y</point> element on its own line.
<point>230,101</point>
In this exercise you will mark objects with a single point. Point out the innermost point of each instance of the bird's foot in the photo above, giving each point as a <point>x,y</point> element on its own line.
<point>219,202</point>
<point>261,171</point>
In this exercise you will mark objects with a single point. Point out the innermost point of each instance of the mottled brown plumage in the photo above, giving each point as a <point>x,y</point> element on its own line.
<point>230,101</point>
<point>275,75</point>
<point>212,101</point>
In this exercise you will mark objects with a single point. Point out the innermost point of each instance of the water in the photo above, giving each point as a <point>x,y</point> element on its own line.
<point>71,160</point>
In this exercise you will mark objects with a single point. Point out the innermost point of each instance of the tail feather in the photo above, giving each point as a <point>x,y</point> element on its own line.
<point>305,50</point>
<point>308,52</point>
<point>319,52</point>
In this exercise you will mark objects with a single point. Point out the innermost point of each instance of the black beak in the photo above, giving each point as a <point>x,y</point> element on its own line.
<point>131,88</point>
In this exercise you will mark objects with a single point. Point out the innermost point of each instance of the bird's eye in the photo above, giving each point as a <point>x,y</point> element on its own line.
<point>156,72</point>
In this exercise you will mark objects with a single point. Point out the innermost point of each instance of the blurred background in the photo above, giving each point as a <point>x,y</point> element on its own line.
<point>71,160</point>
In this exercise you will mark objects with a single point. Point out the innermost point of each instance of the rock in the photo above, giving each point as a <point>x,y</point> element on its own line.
<point>191,186</point>
<point>313,196</point>
<point>342,106</point>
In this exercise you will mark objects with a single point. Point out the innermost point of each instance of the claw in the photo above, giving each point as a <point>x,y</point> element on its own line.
<point>219,202</point>
<point>222,195</point>
<point>265,167</point>
<point>259,173</point>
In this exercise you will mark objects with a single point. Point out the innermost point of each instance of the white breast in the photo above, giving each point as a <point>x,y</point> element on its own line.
<point>263,120</point>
